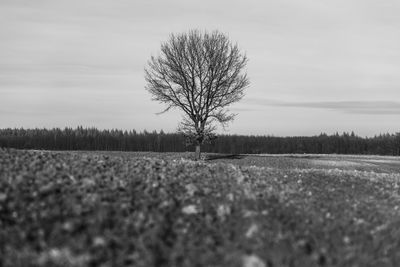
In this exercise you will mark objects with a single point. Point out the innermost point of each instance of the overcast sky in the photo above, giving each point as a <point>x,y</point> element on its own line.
<point>314,65</point>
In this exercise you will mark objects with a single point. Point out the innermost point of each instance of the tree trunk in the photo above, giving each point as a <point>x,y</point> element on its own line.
<point>197,153</point>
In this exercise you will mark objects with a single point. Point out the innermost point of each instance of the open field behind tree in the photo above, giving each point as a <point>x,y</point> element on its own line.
<point>163,209</point>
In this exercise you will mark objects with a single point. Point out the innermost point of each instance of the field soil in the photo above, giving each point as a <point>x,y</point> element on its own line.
<point>149,209</point>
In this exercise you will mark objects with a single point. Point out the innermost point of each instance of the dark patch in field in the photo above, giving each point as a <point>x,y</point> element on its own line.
<point>210,157</point>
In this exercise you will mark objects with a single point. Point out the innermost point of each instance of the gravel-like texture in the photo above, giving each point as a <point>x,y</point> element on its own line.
<point>99,209</point>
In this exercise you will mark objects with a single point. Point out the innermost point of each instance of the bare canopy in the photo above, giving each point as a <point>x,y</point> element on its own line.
<point>201,74</point>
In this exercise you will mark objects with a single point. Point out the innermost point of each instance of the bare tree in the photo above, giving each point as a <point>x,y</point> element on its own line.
<point>201,74</point>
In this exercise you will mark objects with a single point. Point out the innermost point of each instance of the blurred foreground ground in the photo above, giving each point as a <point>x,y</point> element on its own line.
<point>149,209</point>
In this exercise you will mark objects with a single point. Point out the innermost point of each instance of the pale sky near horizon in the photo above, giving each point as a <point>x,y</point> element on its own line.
<point>314,65</point>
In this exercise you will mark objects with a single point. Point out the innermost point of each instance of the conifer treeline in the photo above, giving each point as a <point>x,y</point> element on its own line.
<point>118,140</point>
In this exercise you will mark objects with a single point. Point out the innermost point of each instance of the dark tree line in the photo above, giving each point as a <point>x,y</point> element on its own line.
<point>117,140</point>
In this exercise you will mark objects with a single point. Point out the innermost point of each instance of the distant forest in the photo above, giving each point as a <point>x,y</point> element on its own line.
<point>118,140</point>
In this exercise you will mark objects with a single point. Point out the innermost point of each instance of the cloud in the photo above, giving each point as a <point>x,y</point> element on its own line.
<point>242,109</point>
<point>351,107</point>
<point>66,62</point>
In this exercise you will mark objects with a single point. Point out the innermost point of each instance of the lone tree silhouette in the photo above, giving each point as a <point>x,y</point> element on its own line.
<point>201,74</point>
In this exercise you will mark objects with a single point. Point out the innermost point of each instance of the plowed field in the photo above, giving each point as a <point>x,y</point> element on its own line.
<point>147,209</point>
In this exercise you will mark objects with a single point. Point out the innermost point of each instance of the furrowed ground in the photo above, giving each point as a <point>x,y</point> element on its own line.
<point>147,209</point>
